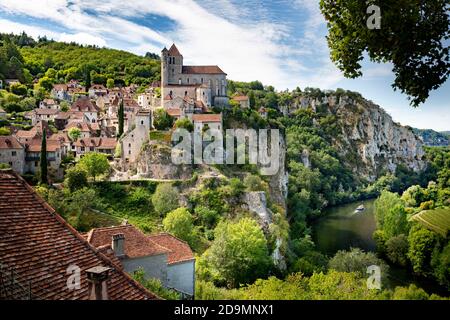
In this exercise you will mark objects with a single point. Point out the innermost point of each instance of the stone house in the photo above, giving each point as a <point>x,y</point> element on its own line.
<point>12,152</point>
<point>43,115</point>
<point>243,101</point>
<point>60,92</point>
<point>132,141</point>
<point>211,121</point>
<point>161,256</point>
<point>33,154</point>
<point>97,90</point>
<point>49,104</point>
<point>97,144</point>
<point>87,107</point>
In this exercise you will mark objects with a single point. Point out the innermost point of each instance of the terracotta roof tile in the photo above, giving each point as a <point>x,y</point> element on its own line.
<point>9,142</point>
<point>179,249</point>
<point>173,51</point>
<point>136,243</point>
<point>205,117</point>
<point>40,246</point>
<point>202,70</point>
<point>84,104</point>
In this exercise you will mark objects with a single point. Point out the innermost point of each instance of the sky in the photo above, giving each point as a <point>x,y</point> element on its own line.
<point>281,43</point>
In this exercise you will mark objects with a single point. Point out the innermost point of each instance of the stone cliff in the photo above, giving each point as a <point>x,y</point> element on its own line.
<point>370,140</point>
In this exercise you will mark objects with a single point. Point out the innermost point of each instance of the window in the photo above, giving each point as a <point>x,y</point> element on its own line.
<point>142,121</point>
<point>129,145</point>
<point>13,153</point>
<point>82,148</point>
<point>36,163</point>
<point>10,163</point>
<point>188,80</point>
<point>185,93</point>
<point>179,81</point>
<point>129,151</point>
<point>202,80</point>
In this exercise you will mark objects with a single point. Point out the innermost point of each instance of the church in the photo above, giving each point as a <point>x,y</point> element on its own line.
<point>192,89</point>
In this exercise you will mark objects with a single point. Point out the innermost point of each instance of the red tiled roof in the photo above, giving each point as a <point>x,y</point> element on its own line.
<point>173,51</point>
<point>9,142</point>
<point>36,143</point>
<point>40,246</point>
<point>60,87</point>
<point>136,243</point>
<point>174,112</point>
<point>102,143</point>
<point>84,104</point>
<point>240,98</point>
<point>179,249</point>
<point>46,111</point>
<point>204,117</point>
<point>202,70</point>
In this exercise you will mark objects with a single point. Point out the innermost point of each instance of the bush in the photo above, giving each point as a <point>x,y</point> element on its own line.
<point>179,222</point>
<point>165,198</point>
<point>162,120</point>
<point>155,286</point>
<point>76,178</point>
<point>397,249</point>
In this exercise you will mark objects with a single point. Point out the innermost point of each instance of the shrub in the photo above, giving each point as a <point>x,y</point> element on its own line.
<point>165,198</point>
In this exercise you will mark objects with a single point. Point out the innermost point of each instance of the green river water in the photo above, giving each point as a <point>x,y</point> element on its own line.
<point>341,229</point>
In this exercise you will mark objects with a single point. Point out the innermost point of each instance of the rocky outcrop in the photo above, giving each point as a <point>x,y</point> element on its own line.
<point>155,162</point>
<point>369,139</point>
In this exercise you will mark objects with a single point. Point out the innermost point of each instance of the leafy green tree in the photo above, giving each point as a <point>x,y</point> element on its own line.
<point>4,131</point>
<point>43,159</point>
<point>239,252</point>
<point>64,106</point>
<point>18,89</point>
<point>110,83</point>
<point>421,244</point>
<point>76,178</point>
<point>409,293</point>
<point>397,249</point>
<point>357,261</point>
<point>165,198</point>
<point>255,183</point>
<point>383,204</point>
<point>395,221</point>
<point>95,164</point>
<point>162,120</point>
<point>185,123</point>
<point>208,217</point>
<point>252,100</point>
<point>179,222</point>
<point>412,36</point>
<point>441,265</point>
<point>74,133</point>
<point>121,115</point>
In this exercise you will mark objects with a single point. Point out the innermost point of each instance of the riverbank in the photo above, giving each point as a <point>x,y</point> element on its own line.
<point>341,228</point>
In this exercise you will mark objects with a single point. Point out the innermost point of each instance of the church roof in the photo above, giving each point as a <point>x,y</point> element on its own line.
<point>202,70</point>
<point>173,51</point>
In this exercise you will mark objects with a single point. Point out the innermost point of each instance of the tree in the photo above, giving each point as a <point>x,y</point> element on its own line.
<point>409,293</point>
<point>43,158</point>
<point>397,249</point>
<point>383,204</point>
<point>184,123</point>
<point>94,164</point>
<point>239,253</point>
<point>251,99</point>
<point>76,178</point>
<point>162,120</point>
<point>64,106</point>
<point>421,244</point>
<point>357,261</point>
<point>4,131</point>
<point>165,198</point>
<point>18,89</point>
<point>74,133</point>
<point>179,222</point>
<point>395,221</point>
<point>255,183</point>
<point>110,83</point>
<point>121,116</point>
<point>412,36</point>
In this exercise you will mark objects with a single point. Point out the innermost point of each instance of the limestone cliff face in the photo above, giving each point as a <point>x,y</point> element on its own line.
<point>369,138</point>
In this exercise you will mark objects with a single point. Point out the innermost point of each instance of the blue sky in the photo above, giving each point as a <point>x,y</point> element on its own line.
<point>281,42</point>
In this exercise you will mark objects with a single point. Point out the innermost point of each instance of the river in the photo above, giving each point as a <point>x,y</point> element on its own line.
<point>341,229</point>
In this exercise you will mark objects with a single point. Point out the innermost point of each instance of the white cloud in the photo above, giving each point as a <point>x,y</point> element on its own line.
<point>247,49</point>
<point>82,38</point>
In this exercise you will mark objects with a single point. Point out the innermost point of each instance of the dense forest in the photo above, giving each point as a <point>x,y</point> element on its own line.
<point>49,62</point>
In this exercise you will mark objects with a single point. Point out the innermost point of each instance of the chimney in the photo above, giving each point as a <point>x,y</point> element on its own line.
<point>97,283</point>
<point>118,244</point>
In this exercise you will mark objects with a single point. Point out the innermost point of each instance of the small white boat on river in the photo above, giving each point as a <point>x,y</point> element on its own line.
<point>360,208</point>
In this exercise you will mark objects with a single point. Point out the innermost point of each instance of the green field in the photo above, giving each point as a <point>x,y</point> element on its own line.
<point>437,220</point>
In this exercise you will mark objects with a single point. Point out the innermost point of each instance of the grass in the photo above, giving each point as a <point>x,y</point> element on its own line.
<point>437,220</point>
